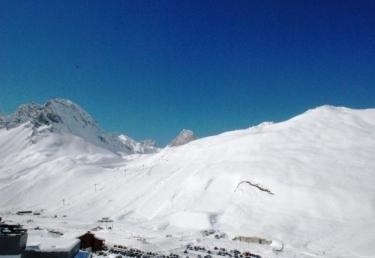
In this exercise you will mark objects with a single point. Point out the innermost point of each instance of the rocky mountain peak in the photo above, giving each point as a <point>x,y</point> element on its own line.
<point>64,116</point>
<point>183,137</point>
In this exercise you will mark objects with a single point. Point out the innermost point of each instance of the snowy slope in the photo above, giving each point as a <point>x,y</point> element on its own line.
<point>308,182</point>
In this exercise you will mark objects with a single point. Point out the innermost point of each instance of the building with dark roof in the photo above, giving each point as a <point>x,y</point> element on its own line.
<point>13,240</point>
<point>13,244</point>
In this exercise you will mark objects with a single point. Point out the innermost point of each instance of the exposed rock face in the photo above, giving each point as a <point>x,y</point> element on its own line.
<point>145,146</point>
<point>183,137</point>
<point>2,121</point>
<point>64,116</point>
<point>58,113</point>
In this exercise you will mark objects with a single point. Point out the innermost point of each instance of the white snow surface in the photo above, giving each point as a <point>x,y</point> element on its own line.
<point>319,167</point>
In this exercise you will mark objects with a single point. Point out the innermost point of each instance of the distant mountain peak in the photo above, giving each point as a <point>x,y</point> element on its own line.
<point>2,118</point>
<point>183,137</point>
<point>145,146</point>
<point>64,116</point>
<point>67,108</point>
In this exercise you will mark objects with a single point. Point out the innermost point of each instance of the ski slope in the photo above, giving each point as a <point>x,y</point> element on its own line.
<point>307,182</point>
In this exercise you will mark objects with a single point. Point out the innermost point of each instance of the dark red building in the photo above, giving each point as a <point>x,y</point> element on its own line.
<point>90,241</point>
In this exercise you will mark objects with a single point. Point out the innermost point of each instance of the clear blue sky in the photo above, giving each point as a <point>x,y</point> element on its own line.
<point>151,68</point>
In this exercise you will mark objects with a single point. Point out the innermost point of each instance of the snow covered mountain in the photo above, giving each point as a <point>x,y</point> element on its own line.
<point>65,117</point>
<point>307,182</point>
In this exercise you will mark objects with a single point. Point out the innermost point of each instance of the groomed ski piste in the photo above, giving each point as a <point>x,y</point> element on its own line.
<point>305,186</point>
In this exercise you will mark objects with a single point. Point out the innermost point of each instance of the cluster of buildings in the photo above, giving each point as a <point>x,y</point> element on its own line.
<point>13,244</point>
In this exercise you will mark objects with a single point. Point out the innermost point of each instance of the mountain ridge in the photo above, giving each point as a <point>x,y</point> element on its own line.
<point>307,182</point>
<point>62,115</point>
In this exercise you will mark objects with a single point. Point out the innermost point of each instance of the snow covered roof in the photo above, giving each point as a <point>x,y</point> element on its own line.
<point>53,245</point>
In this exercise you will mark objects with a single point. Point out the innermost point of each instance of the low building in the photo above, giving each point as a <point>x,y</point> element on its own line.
<point>13,244</point>
<point>13,240</point>
<point>53,248</point>
<point>254,240</point>
<point>24,212</point>
<point>90,242</point>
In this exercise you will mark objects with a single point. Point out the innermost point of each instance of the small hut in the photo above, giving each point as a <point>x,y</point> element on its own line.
<point>91,242</point>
